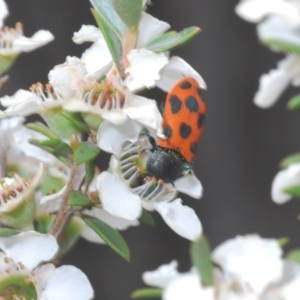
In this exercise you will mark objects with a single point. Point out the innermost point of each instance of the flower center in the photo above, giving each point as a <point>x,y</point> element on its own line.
<point>105,97</point>
<point>8,35</point>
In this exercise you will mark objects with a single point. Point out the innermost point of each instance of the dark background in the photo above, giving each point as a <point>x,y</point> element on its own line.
<point>238,156</point>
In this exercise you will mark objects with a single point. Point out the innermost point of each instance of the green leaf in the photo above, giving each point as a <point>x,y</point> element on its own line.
<point>76,120</point>
<point>44,130</point>
<point>283,46</point>
<point>129,11</point>
<point>59,124</point>
<point>109,235</point>
<point>291,159</point>
<point>51,151</point>
<point>146,218</point>
<point>293,190</point>
<point>294,255</point>
<point>201,259</point>
<point>294,103</point>
<point>6,232</point>
<point>43,223</point>
<point>172,39</point>
<point>89,173</point>
<point>69,237</point>
<point>6,62</point>
<point>58,146</point>
<point>77,198</point>
<point>84,152</point>
<point>147,293</point>
<point>112,40</point>
<point>109,16</point>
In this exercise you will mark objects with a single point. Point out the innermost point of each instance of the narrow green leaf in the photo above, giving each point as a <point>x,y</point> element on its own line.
<point>76,120</point>
<point>77,198</point>
<point>109,235</point>
<point>43,223</point>
<point>108,15</point>
<point>89,172</point>
<point>50,150</point>
<point>146,218</point>
<point>201,259</point>
<point>6,62</point>
<point>84,152</point>
<point>294,103</point>
<point>58,146</point>
<point>291,159</point>
<point>59,124</point>
<point>129,11</point>
<point>294,255</point>
<point>293,190</point>
<point>173,39</point>
<point>44,130</point>
<point>283,46</point>
<point>6,232</point>
<point>147,293</point>
<point>112,40</point>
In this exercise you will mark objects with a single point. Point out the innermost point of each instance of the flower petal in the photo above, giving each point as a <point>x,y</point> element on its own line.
<point>285,178</point>
<point>251,260</point>
<point>189,185</point>
<point>149,28</point>
<point>141,60</point>
<point>162,276</point>
<point>68,282</point>
<point>87,33</point>
<point>111,137</point>
<point>117,198</point>
<point>256,10</point>
<point>188,286</point>
<point>144,111</point>
<point>176,69</point>
<point>30,248</point>
<point>182,219</point>
<point>39,39</point>
<point>272,85</point>
<point>3,12</point>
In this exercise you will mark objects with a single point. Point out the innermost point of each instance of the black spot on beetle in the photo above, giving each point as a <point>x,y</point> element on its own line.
<point>193,147</point>
<point>168,131</point>
<point>185,85</point>
<point>175,104</point>
<point>192,104</point>
<point>185,130</point>
<point>201,120</point>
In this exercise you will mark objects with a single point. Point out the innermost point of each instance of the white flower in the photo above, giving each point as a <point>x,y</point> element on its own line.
<point>284,179</point>
<point>12,40</point>
<point>25,103</point>
<point>251,261</point>
<point>178,286</point>
<point>251,269</point>
<point>21,265</point>
<point>279,22</point>
<point>98,59</point>
<point>124,191</point>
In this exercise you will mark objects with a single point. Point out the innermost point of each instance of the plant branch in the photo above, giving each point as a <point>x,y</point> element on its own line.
<point>65,212</point>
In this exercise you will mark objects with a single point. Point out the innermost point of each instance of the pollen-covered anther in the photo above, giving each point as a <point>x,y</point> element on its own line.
<point>45,93</point>
<point>8,35</point>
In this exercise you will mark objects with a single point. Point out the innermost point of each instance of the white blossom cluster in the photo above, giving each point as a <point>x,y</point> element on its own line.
<point>248,268</point>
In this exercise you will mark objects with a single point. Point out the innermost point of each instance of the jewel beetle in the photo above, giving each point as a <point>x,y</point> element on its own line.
<point>183,124</point>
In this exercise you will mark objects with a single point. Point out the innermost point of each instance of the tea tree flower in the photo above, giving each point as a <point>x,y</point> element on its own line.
<point>279,21</point>
<point>13,42</point>
<point>24,276</point>
<point>248,267</point>
<point>284,179</point>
